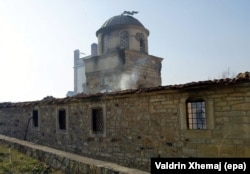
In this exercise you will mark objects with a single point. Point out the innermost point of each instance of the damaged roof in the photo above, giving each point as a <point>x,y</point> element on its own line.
<point>240,78</point>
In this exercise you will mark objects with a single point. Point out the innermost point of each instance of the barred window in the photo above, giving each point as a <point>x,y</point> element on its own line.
<point>62,119</point>
<point>97,121</point>
<point>196,115</point>
<point>124,39</point>
<point>35,118</point>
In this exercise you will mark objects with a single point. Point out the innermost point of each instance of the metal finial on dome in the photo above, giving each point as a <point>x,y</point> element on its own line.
<point>130,13</point>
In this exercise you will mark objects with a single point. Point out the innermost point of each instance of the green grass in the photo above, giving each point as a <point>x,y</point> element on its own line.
<point>14,162</point>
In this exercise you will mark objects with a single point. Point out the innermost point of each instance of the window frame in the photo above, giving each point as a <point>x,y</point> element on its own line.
<point>36,128</point>
<point>196,114</point>
<point>35,118</point>
<point>182,111</point>
<point>93,133</point>
<point>142,45</point>
<point>62,119</point>
<point>58,129</point>
<point>95,119</point>
<point>124,39</point>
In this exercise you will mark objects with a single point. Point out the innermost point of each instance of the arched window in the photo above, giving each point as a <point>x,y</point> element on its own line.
<point>141,39</point>
<point>103,42</point>
<point>196,115</point>
<point>124,39</point>
<point>142,45</point>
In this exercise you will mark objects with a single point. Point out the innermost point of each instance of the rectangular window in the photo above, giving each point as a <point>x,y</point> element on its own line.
<point>35,118</point>
<point>196,116</point>
<point>97,121</point>
<point>62,119</point>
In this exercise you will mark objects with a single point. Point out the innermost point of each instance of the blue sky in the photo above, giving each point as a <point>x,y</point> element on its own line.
<point>198,39</point>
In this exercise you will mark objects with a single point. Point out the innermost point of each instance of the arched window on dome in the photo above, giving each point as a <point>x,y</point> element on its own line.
<point>142,44</point>
<point>124,39</point>
<point>141,39</point>
<point>103,44</point>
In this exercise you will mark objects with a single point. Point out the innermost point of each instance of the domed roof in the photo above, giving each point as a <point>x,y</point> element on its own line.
<point>122,20</point>
<point>118,21</point>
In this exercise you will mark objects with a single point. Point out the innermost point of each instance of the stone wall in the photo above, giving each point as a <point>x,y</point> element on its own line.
<point>65,162</point>
<point>147,68</point>
<point>123,69</point>
<point>140,124</point>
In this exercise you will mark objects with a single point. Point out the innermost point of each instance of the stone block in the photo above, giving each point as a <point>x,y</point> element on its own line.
<point>189,152</point>
<point>157,100</point>
<point>224,140</point>
<point>247,99</point>
<point>241,106</point>
<point>197,141</point>
<point>240,120</point>
<point>238,141</point>
<point>221,103</point>
<point>226,108</point>
<point>197,134</point>
<point>222,120</point>
<point>246,141</point>
<point>230,113</point>
<point>207,151</point>
<point>238,131</point>
<point>227,151</point>
<point>230,103</point>
<point>167,102</point>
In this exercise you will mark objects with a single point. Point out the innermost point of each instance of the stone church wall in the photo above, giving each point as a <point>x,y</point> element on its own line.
<point>124,69</point>
<point>138,124</point>
<point>146,68</point>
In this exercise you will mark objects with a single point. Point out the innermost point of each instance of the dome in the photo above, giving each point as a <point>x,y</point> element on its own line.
<point>120,21</point>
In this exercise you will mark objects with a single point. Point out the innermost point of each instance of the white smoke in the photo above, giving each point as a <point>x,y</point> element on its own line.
<point>128,81</point>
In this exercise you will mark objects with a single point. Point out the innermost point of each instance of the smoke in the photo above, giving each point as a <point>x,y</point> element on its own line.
<point>128,81</point>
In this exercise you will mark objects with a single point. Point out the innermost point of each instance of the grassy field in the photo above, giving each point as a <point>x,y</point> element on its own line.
<point>14,162</point>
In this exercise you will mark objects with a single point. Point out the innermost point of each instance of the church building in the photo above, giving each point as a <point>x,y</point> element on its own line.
<point>204,119</point>
<point>119,61</point>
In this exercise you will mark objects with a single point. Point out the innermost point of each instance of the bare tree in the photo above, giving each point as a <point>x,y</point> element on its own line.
<point>227,74</point>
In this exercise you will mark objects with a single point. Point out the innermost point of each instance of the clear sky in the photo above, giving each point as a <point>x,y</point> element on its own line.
<point>198,39</point>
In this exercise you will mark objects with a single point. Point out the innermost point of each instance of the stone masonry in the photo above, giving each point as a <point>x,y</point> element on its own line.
<point>65,161</point>
<point>122,69</point>
<point>140,124</point>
